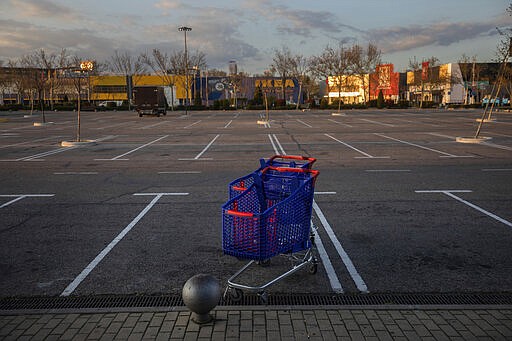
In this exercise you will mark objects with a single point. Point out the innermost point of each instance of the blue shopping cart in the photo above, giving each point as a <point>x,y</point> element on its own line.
<point>292,161</point>
<point>270,217</point>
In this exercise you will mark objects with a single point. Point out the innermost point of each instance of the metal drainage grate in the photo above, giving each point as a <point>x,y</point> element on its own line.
<point>162,301</point>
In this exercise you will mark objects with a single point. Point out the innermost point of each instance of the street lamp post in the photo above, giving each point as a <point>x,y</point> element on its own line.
<point>185,29</point>
<point>85,67</point>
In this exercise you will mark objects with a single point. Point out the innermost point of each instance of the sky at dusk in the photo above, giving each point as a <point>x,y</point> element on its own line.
<point>249,31</point>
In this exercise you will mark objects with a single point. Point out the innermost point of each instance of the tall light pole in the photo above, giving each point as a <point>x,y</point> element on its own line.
<point>185,30</point>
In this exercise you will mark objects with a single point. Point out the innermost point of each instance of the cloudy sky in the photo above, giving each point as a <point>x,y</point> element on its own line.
<point>248,31</point>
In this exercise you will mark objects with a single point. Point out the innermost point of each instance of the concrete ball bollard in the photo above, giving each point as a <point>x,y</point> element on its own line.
<point>201,293</point>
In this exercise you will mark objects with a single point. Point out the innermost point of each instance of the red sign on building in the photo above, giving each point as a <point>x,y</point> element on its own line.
<point>385,80</point>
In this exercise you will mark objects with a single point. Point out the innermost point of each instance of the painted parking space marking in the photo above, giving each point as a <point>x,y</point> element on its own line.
<point>192,124</point>
<point>326,261</point>
<point>32,141</point>
<point>276,144</point>
<point>198,156</point>
<point>360,284</point>
<point>387,170</point>
<point>366,155</point>
<point>494,145</point>
<point>119,157</point>
<point>488,144</point>
<point>443,154</point>
<point>340,123</point>
<point>153,125</point>
<point>497,170</point>
<point>356,277</point>
<point>75,173</point>
<point>228,124</point>
<point>113,126</point>
<point>87,270</point>
<point>451,195</point>
<point>18,197</point>
<point>307,125</point>
<point>377,122</point>
<point>180,172</point>
<point>38,157</point>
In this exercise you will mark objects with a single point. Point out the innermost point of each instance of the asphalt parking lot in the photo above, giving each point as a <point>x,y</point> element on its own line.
<point>399,205</point>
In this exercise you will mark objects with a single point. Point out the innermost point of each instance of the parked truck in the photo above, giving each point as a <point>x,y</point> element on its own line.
<point>150,100</point>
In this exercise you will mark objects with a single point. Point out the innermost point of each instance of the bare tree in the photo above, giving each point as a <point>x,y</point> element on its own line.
<point>300,68</point>
<point>363,62</point>
<point>125,64</point>
<point>284,64</point>
<point>36,75</point>
<point>332,62</point>
<point>168,65</point>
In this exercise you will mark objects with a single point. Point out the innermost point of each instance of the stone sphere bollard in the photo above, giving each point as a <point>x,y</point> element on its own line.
<point>201,293</point>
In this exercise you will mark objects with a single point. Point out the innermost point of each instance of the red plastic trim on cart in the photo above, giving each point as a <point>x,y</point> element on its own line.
<point>294,157</point>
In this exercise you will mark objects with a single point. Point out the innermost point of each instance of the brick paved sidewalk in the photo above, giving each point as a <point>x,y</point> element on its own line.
<point>256,323</point>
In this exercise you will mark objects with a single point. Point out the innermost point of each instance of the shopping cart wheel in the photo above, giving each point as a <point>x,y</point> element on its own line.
<point>264,263</point>
<point>236,295</point>
<point>263,296</point>
<point>313,268</point>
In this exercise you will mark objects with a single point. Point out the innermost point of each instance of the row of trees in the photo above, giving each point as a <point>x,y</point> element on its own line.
<point>41,74</point>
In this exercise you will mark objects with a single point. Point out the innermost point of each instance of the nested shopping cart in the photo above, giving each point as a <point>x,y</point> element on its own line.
<point>292,161</point>
<point>270,217</point>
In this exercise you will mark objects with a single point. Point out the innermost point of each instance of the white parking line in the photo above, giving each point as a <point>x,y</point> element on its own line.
<point>19,197</point>
<point>451,195</point>
<point>190,125</point>
<point>326,261</point>
<point>366,155</point>
<point>180,172</point>
<point>488,144</point>
<point>360,284</point>
<point>113,125</point>
<point>344,256</point>
<point>444,154</point>
<point>334,121</point>
<point>40,155</point>
<point>198,156</point>
<point>307,125</point>
<point>21,143</point>
<point>227,125</point>
<point>153,125</point>
<point>85,272</point>
<point>75,173</point>
<point>386,170</point>
<point>376,122</point>
<point>133,150</point>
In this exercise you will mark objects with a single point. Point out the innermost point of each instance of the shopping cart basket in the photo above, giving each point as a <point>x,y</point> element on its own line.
<point>292,161</point>
<point>272,216</point>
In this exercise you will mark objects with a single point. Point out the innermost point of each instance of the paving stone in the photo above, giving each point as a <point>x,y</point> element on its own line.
<point>205,332</point>
<point>245,325</point>
<point>121,317</point>
<point>130,321</point>
<point>178,332</point>
<point>272,325</point>
<point>273,335</point>
<point>259,320</point>
<point>135,337</point>
<point>96,333</point>
<point>286,330</point>
<point>123,333</point>
<point>156,321</point>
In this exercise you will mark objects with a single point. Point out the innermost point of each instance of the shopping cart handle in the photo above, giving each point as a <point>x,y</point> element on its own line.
<point>294,157</point>
<point>313,172</point>
<point>240,214</point>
